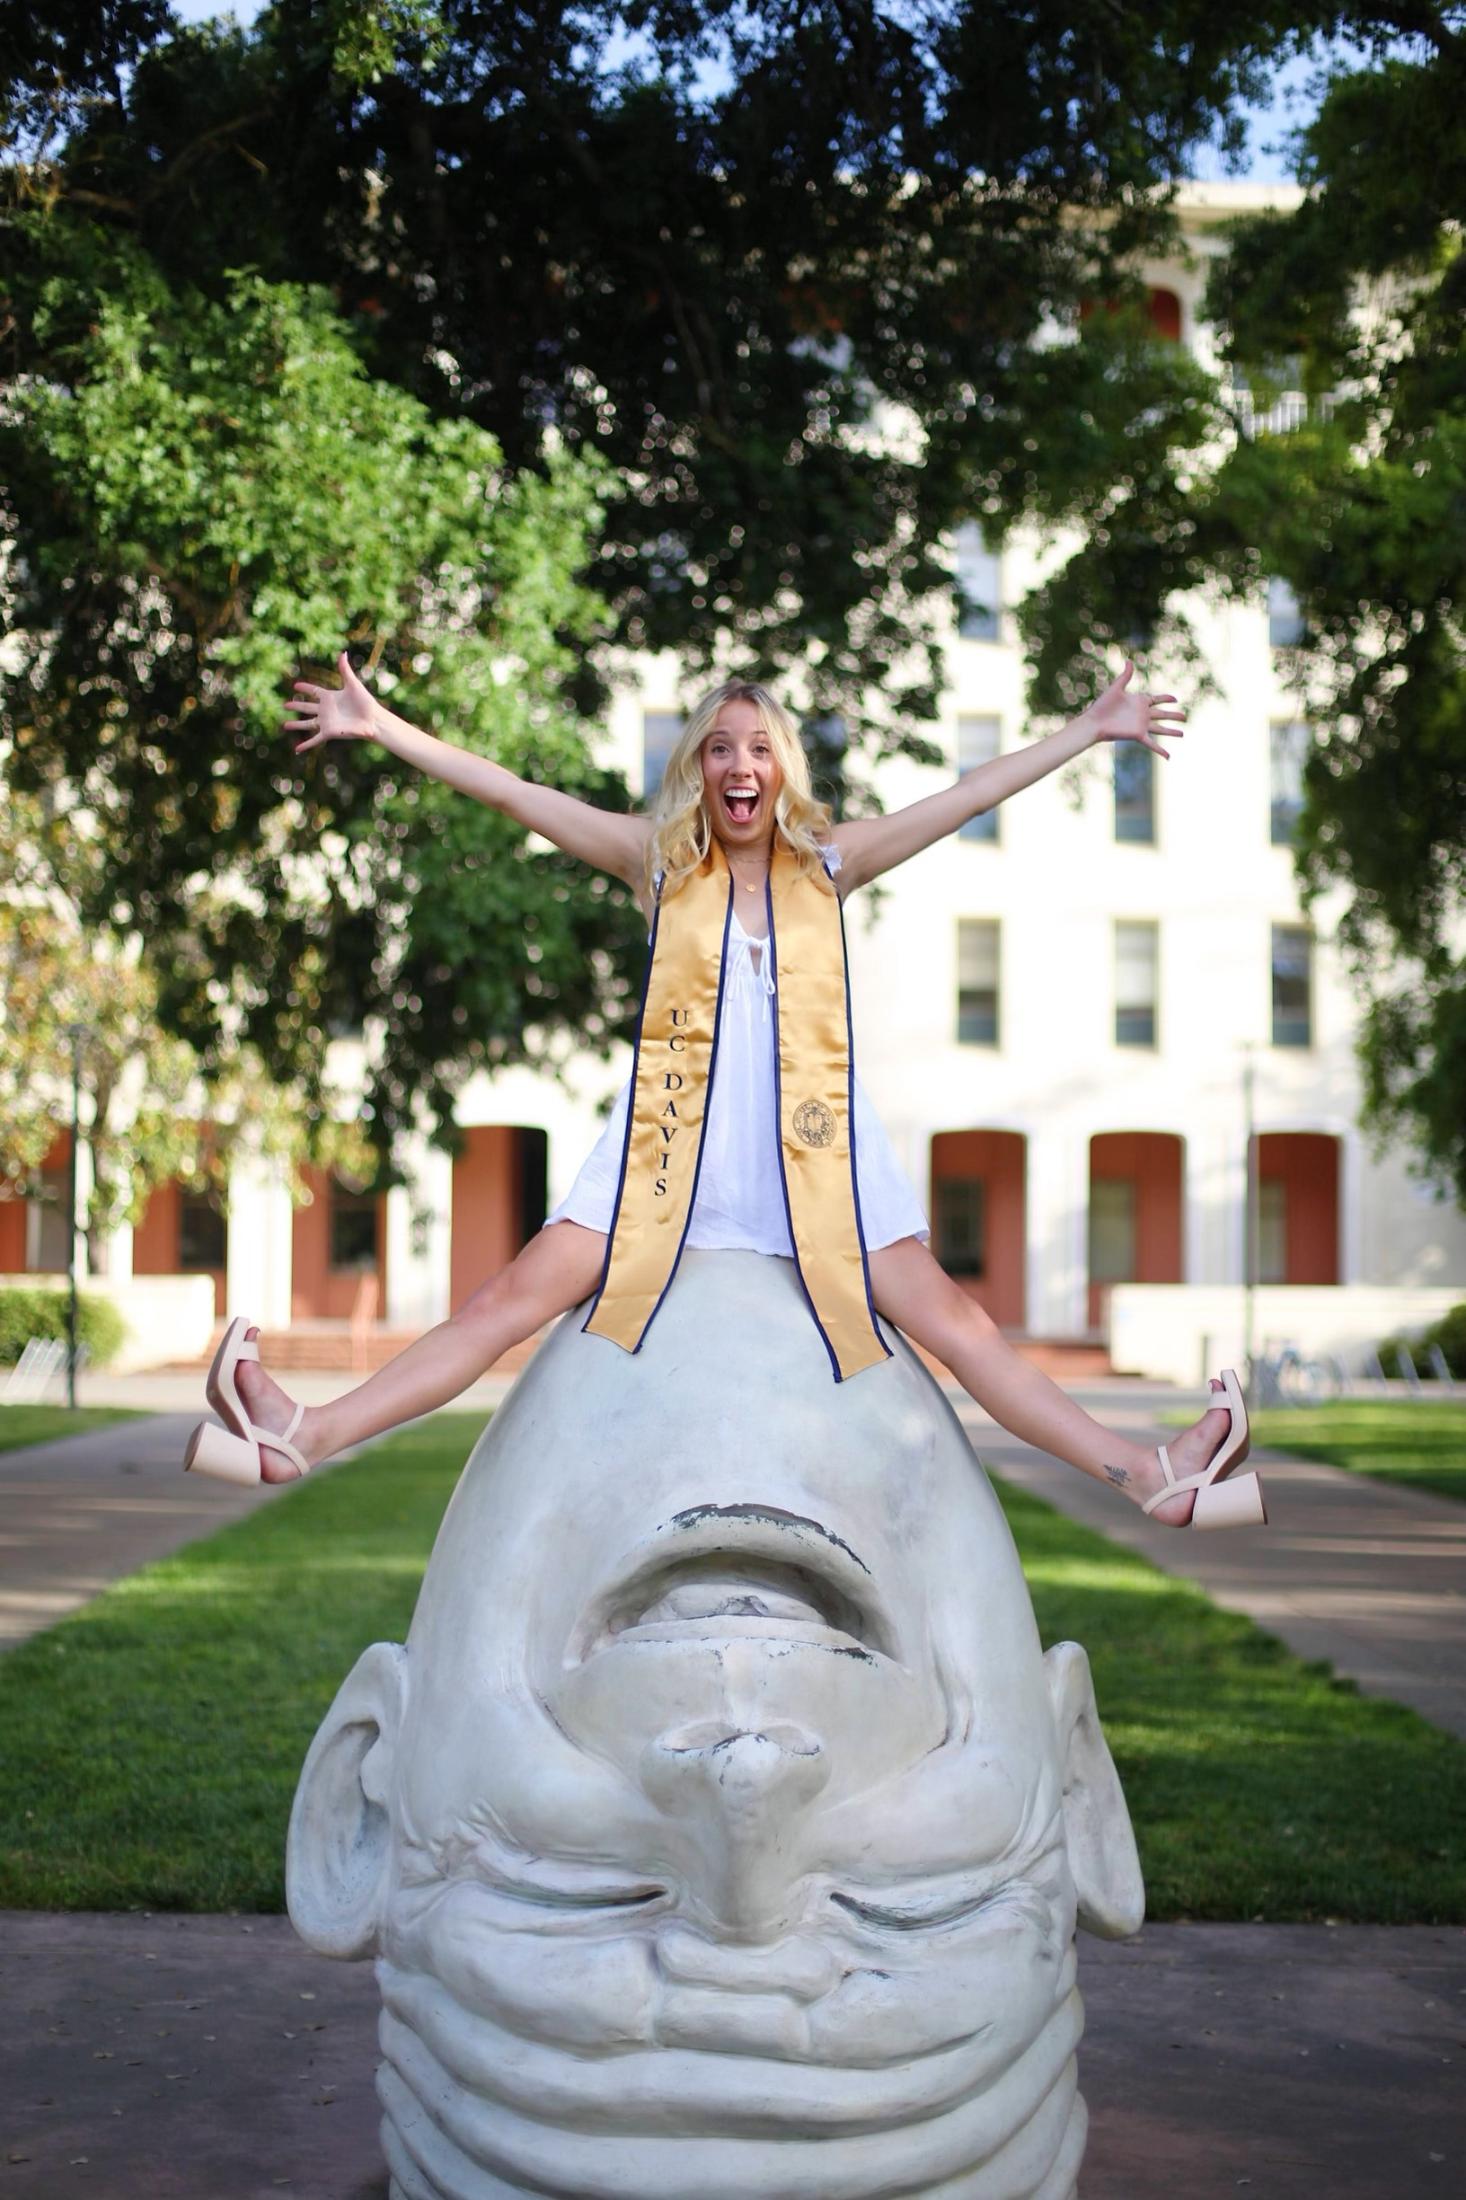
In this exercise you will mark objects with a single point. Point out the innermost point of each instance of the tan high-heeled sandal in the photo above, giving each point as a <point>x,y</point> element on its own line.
<point>1222,1500</point>
<point>232,1453</point>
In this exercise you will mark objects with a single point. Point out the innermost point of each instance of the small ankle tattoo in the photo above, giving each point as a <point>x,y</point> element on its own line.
<point>1120,1476</point>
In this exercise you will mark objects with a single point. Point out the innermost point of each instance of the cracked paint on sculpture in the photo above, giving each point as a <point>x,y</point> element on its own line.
<point>721,1829</point>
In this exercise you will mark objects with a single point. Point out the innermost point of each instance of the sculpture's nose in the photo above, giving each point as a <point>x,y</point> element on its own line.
<point>740,1793</point>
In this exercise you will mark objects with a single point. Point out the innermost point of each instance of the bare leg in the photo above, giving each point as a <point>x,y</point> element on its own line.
<point>555,1271</point>
<point>911,1290</point>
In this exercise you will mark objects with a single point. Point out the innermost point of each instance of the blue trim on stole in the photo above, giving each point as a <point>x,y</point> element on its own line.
<point>850,1122</point>
<point>646,986</point>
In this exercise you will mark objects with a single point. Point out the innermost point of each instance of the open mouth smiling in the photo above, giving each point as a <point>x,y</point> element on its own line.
<point>741,803</point>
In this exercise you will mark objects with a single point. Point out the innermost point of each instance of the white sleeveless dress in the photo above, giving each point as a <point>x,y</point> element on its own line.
<point>740,1196</point>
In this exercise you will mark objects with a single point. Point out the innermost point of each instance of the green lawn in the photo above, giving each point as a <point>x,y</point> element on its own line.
<point>1420,1444</point>
<point>155,1737</point>
<point>39,1424</point>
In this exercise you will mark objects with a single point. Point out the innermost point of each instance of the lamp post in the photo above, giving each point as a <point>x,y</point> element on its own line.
<point>75,1033</point>
<point>1251,1219</point>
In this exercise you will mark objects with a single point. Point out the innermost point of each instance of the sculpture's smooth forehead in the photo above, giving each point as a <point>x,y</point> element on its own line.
<point>732,1413</point>
<point>878,1451</point>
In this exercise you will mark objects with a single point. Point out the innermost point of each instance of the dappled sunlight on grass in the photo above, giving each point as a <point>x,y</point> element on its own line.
<point>217,1582</point>
<point>1420,1444</point>
<point>1258,1783</point>
<point>161,1730</point>
<point>1096,1573</point>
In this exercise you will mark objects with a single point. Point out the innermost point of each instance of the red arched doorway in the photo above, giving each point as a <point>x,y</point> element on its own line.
<point>1135,1195</point>
<point>498,1201</point>
<point>1298,1207</point>
<point>338,1250</point>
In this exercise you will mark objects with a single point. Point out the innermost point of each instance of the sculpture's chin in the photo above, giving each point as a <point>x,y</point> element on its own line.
<point>473,2112</point>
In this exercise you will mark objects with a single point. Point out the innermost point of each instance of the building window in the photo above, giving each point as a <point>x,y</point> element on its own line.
<point>661,730</point>
<point>1112,1229</point>
<point>1272,1230</point>
<point>959,1224</point>
<point>1134,792</point>
<point>202,1233</point>
<point>978,740</point>
<point>1292,986</point>
<point>48,1232</point>
<point>1284,619</point>
<point>353,1227</point>
<point>1136,958</point>
<point>1289,750</point>
<point>977,981</point>
<point>979,585</point>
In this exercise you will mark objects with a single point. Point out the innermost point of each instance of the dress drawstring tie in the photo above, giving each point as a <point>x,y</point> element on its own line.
<point>744,974</point>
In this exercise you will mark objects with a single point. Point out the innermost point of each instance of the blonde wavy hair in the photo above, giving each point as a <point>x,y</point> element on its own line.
<point>682,830</point>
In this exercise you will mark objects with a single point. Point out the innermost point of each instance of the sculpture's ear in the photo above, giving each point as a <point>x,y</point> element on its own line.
<point>339,1847</point>
<point>1102,1854</point>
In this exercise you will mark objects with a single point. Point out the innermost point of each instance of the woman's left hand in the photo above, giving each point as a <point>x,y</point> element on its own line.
<point>1124,713</point>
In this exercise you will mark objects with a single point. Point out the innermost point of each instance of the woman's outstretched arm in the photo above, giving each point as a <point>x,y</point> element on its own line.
<point>607,839</point>
<point>870,845</point>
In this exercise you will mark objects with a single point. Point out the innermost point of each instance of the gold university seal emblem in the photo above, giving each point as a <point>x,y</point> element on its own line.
<point>814,1124</point>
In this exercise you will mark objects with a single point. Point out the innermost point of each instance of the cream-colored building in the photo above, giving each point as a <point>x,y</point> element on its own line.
<point>1058,1013</point>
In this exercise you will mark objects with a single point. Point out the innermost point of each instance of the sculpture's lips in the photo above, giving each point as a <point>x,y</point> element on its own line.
<point>719,1571</point>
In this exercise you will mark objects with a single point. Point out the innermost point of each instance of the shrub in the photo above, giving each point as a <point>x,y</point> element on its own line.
<point>1449,1333</point>
<point>25,1314</point>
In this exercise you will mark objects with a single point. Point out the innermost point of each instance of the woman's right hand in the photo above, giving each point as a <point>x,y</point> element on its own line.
<point>347,713</point>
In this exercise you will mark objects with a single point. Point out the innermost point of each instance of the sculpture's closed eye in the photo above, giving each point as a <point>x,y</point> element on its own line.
<point>475,1850</point>
<point>588,1898</point>
<point>563,1887</point>
<point>918,1917</point>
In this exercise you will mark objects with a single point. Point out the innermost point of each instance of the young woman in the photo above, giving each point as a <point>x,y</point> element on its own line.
<point>743,1124</point>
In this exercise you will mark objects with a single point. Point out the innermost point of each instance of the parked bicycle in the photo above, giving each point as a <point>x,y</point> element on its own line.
<point>1286,1377</point>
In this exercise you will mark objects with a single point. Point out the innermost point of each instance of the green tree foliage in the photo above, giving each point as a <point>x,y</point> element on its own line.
<point>710,243</point>
<point>713,249</point>
<point>216,493</point>
<point>1362,293</point>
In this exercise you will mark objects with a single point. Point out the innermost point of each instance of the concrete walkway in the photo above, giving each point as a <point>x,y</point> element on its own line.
<point>77,1515</point>
<point>1366,1575</point>
<point>213,2058</point>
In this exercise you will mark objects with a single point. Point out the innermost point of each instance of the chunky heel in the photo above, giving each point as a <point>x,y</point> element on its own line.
<point>1235,1503</point>
<point>213,1451</point>
<point>1223,1499</point>
<point>232,1453</point>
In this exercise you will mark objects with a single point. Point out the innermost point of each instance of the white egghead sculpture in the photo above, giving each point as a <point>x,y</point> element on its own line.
<point>720,1830</point>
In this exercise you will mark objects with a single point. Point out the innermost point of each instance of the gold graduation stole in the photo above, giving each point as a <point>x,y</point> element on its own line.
<point>672,1083</point>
